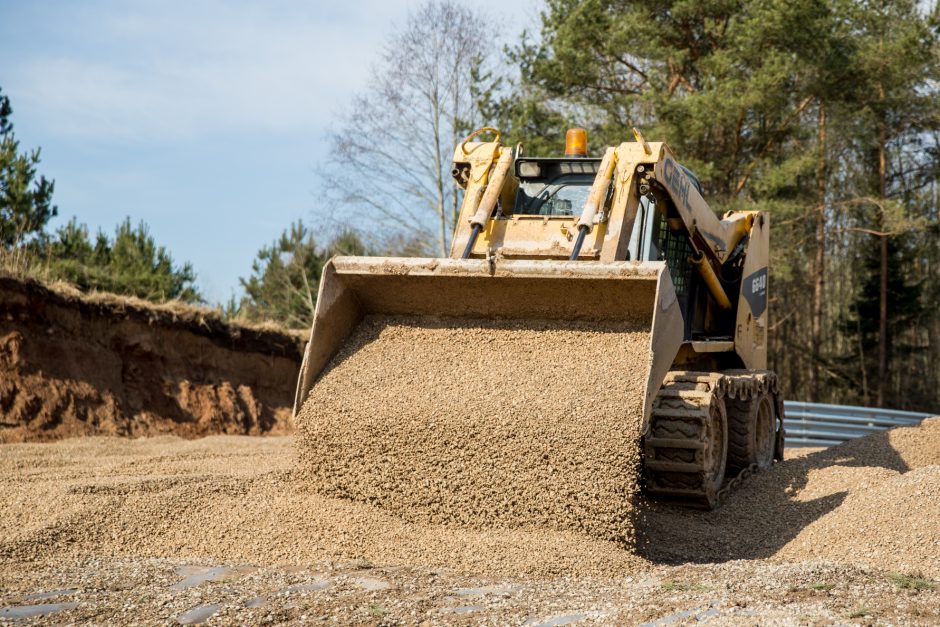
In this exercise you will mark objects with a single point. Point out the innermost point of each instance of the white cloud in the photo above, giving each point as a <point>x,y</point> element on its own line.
<point>159,72</point>
<point>171,70</point>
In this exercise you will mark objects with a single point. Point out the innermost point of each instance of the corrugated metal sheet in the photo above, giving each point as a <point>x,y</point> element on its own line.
<point>817,424</point>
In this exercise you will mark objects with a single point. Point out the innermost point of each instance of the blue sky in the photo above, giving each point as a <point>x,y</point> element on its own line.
<point>206,119</point>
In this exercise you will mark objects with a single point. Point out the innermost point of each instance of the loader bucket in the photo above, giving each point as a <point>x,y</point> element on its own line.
<point>354,287</point>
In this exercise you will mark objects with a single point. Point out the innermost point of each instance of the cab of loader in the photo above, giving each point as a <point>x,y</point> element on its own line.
<point>553,187</point>
<point>556,188</point>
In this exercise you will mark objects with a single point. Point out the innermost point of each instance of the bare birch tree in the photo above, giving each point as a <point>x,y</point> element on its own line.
<point>393,148</point>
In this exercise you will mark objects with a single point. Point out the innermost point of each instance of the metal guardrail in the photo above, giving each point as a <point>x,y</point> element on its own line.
<point>818,424</point>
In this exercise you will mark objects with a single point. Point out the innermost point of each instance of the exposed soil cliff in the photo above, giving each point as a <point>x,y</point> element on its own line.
<point>73,364</point>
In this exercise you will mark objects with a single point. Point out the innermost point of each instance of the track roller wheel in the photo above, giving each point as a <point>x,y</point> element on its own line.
<point>752,432</point>
<point>755,419</point>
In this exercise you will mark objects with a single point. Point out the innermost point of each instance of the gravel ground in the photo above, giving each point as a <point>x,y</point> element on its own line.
<point>163,530</point>
<point>170,591</point>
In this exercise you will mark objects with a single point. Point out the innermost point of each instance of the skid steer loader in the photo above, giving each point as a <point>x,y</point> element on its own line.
<point>598,239</point>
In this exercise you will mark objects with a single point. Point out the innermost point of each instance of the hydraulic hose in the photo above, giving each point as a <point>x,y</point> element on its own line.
<point>582,231</point>
<point>595,199</point>
<point>471,241</point>
<point>488,202</point>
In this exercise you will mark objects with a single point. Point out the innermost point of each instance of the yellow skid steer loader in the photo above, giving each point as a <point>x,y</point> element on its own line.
<point>574,238</point>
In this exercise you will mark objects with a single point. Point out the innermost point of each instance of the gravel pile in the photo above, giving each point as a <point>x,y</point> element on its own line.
<point>899,449</point>
<point>234,499</point>
<point>483,424</point>
<point>893,524</point>
<point>869,501</point>
<point>890,516</point>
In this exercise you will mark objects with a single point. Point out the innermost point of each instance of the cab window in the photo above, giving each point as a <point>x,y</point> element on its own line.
<point>562,196</point>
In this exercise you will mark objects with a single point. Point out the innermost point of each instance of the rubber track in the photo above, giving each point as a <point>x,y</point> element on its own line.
<point>677,428</point>
<point>738,414</point>
<point>677,433</point>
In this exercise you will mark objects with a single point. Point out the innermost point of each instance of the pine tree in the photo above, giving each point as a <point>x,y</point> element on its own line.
<point>285,277</point>
<point>131,263</point>
<point>863,327</point>
<point>25,199</point>
<point>897,105</point>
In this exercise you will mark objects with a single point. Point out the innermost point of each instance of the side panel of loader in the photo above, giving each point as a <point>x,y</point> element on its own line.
<point>750,336</point>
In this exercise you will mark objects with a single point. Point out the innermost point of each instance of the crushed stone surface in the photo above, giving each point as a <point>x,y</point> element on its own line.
<point>483,424</point>
<point>149,591</point>
<point>112,530</point>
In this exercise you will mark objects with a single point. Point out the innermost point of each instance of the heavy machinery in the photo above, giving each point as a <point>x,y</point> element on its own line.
<point>578,238</point>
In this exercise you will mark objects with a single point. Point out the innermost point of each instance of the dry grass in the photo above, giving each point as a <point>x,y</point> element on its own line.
<point>174,310</point>
<point>19,263</point>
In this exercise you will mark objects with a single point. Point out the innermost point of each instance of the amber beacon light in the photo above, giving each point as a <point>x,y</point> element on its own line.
<point>576,142</point>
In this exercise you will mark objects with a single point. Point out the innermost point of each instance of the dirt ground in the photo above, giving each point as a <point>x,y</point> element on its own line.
<point>74,364</point>
<point>222,530</point>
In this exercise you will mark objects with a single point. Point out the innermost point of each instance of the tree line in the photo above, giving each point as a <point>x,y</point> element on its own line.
<point>129,262</point>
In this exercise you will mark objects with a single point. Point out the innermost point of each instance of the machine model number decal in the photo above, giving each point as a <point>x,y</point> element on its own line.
<point>754,289</point>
